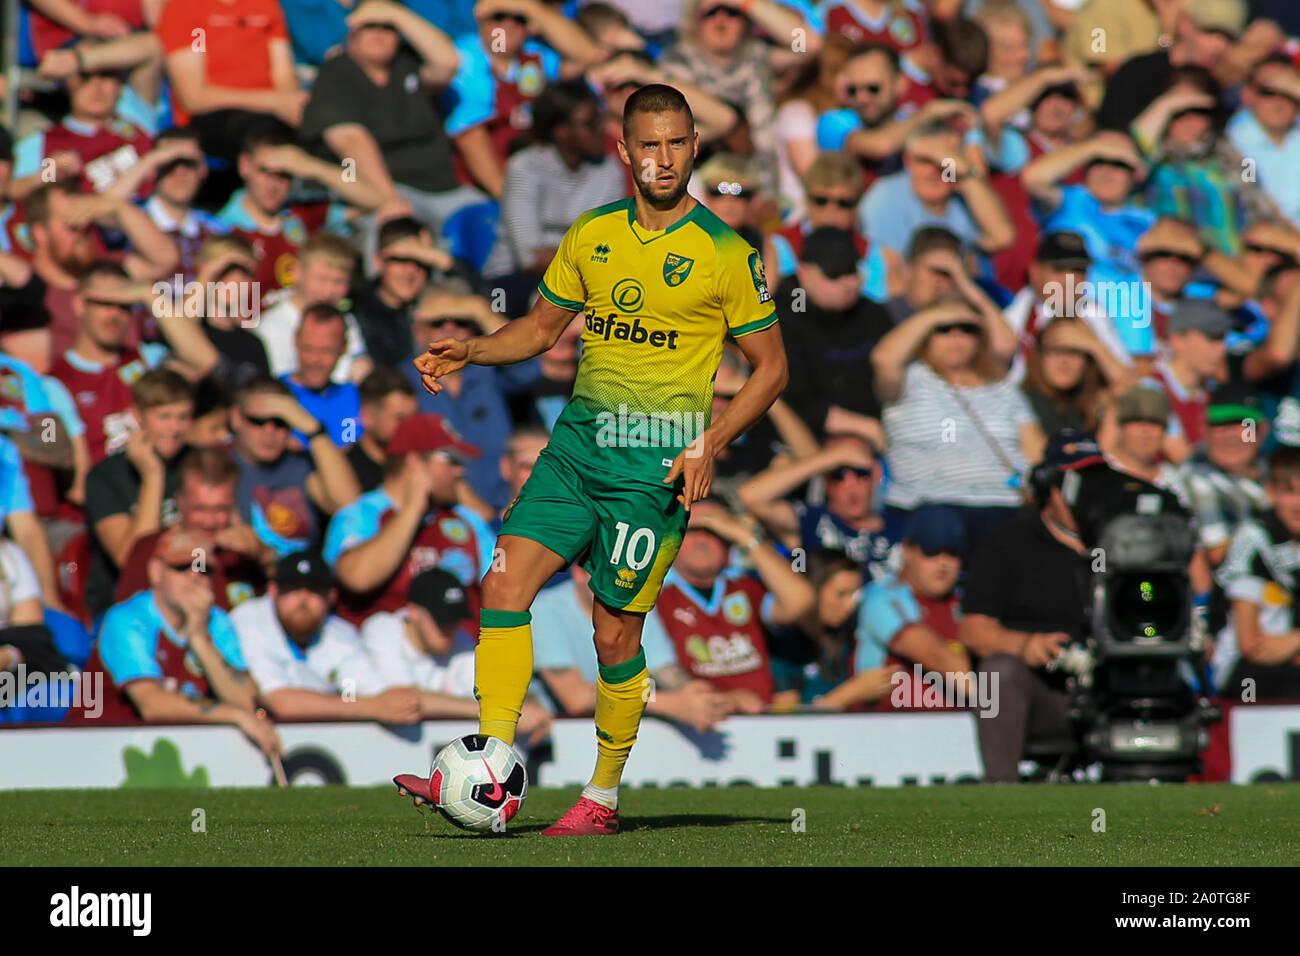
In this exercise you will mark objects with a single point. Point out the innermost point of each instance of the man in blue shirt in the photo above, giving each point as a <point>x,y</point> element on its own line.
<point>320,342</point>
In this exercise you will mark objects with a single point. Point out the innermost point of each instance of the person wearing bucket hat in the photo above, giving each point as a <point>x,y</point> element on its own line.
<point>410,522</point>
<point>1225,478</point>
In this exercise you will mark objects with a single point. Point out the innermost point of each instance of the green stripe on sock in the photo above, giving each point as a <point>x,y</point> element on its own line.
<point>489,618</point>
<point>622,673</point>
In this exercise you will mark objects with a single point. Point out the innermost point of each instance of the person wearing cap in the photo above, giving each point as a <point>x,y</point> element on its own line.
<point>1058,287</point>
<point>424,645</point>
<point>847,521</point>
<point>937,186</point>
<point>171,657</point>
<point>1197,350</point>
<point>280,489</point>
<point>1204,33</point>
<point>829,328</point>
<point>911,616</point>
<point>1196,172</point>
<point>374,103</point>
<point>307,662</point>
<point>1026,595</point>
<point>1142,437</point>
<point>411,522</point>
<point>715,615</point>
<point>474,400</point>
<point>1225,477</point>
<point>1259,649</point>
<point>207,485</point>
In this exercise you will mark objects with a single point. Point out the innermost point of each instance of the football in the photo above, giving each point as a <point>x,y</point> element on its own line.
<point>478,782</point>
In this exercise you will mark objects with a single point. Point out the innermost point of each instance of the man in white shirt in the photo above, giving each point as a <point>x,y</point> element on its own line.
<point>423,645</point>
<point>308,663</point>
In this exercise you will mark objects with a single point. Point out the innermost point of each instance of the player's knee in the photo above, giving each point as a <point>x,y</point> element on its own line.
<point>615,645</point>
<point>501,592</point>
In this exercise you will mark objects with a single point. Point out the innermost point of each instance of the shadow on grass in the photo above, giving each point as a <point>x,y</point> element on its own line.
<point>677,821</point>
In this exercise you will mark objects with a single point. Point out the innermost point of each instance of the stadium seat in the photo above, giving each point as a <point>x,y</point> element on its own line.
<point>73,567</point>
<point>472,231</point>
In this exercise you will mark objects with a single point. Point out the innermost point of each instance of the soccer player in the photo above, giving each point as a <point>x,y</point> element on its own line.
<point>661,281</point>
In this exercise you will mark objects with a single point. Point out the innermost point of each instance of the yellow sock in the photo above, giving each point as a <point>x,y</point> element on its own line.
<point>503,668</point>
<point>620,702</point>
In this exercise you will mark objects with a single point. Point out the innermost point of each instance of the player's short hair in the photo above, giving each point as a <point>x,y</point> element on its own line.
<point>104,269</point>
<point>962,43</point>
<point>929,238</point>
<point>383,381</point>
<point>834,170</point>
<point>399,228</point>
<point>36,207</point>
<point>161,386</point>
<point>260,385</point>
<point>211,395</point>
<point>272,132</point>
<point>656,98</point>
<point>329,247</point>
<point>322,313</point>
<point>1284,465</point>
<point>208,466</point>
<point>557,103</point>
<point>876,48</point>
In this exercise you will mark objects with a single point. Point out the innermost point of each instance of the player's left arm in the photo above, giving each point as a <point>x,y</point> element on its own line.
<point>766,354</point>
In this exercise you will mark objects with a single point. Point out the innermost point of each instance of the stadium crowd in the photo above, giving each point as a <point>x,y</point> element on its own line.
<point>993,230</point>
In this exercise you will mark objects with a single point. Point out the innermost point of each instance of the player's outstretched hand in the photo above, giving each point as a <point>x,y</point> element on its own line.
<point>442,358</point>
<point>695,465</point>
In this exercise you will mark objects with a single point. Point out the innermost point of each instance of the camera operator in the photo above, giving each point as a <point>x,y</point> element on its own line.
<point>1026,597</point>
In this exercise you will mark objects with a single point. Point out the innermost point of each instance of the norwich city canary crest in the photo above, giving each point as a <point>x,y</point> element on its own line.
<point>677,268</point>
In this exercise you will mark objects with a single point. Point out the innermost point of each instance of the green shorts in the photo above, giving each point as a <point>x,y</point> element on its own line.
<point>625,531</point>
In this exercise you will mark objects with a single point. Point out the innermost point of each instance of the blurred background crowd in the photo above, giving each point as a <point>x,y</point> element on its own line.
<point>995,230</point>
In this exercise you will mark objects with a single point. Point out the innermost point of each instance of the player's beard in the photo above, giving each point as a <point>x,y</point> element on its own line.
<point>664,200</point>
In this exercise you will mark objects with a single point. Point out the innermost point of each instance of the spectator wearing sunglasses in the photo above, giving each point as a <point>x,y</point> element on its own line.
<point>177,168</point>
<point>959,431</point>
<point>520,45</point>
<point>938,186</point>
<point>132,492</point>
<point>1264,128</point>
<point>281,489</point>
<point>832,188</point>
<point>1196,172</point>
<point>848,521</point>
<point>1177,265</point>
<point>91,146</point>
<point>411,522</point>
<point>910,617</point>
<point>171,657</point>
<point>548,185</point>
<point>474,400</point>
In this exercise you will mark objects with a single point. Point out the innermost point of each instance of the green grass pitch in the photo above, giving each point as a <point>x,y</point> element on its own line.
<point>949,825</point>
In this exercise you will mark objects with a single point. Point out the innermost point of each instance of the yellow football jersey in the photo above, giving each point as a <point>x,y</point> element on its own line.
<point>658,308</point>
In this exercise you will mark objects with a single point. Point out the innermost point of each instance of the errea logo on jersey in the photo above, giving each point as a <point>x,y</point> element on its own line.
<point>602,252</point>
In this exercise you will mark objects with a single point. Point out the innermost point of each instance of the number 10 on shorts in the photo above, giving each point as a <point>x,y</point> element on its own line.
<point>640,546</point>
